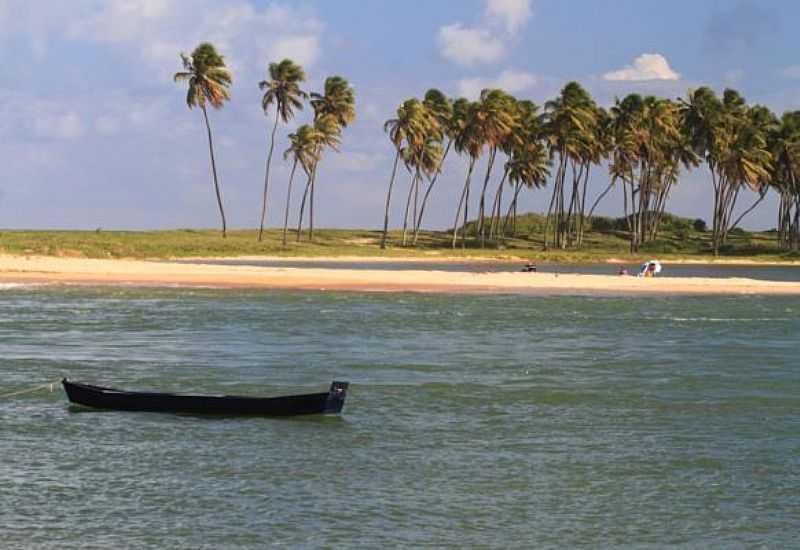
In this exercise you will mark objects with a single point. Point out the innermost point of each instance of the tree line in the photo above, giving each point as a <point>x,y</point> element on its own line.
<point>209,80</point>
<point>645,142</point>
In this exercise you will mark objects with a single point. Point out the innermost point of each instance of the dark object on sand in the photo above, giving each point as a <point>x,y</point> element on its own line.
<point>530,267</point>
<point>330,402</point>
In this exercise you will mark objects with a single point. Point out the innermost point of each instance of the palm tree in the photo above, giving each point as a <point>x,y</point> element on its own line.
<point>282,89</point>
<point>422,160</point>
<point>407,128</point>
<point>570,121</point>
<point>327,133</point>
<point>301,149</point>
<point>208,80</point>
<point>496,117</point>
<point>732,138</point>
<point>470,140</point>
<point>336,105</point>
<point>784,143</point>
<point>441,107</point>
<point>528,167</point>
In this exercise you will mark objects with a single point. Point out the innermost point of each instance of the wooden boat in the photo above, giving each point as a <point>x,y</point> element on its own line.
<point>330,402</point>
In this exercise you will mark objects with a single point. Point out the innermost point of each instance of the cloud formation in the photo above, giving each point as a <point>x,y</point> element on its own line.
<point>512,14</point>
<point>469,45</point>
<point>485,42</point>
<point>648,66</point>
<point>509,80</point>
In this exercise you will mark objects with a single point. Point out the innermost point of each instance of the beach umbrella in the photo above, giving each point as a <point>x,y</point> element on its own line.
<point>657,265</point>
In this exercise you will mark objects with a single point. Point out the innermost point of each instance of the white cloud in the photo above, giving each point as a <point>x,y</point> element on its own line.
<point>486,41</point>
<point>509,80</point>
<point>58,126</point>
<point>469,45</point>
<point>301,49</point>
<point>648,66</point>
<point>791,72</point>
<point>512,14</point>
<point>156,31</point>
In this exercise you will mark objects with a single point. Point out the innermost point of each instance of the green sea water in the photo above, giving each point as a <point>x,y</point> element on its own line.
<point>472,421</point>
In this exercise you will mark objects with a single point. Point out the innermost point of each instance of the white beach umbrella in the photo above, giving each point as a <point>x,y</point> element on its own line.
<point>657,264</point>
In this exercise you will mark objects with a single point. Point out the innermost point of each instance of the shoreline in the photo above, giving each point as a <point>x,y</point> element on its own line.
<point>27,270</point>
<point>471,260</point>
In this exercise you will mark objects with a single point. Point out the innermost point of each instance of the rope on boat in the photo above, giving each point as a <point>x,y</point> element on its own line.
<point>50,385</point>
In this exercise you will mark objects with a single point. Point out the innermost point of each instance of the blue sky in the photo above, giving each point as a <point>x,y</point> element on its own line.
<point>93,133</point>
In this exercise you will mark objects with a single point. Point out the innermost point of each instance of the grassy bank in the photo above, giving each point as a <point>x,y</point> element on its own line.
<point>607,239</point>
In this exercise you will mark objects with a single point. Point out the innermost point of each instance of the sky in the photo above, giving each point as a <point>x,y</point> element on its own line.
<point>94,132</point>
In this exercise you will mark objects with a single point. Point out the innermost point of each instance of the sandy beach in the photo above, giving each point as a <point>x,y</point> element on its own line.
<point>19,269</point>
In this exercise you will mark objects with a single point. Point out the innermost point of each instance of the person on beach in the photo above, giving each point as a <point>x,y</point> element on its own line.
<point>623,271</point>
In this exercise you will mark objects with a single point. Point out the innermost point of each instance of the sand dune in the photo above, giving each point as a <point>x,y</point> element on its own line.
<point>151,273</point>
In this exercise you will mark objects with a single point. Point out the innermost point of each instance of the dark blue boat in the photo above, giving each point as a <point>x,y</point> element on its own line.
<point>99,397</point>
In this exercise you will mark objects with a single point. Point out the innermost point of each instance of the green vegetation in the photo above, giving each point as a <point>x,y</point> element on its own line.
<point>644,142</point>
<point>604,238</point>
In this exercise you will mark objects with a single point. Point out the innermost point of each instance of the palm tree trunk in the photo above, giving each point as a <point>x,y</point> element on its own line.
<point>496,205</point>
<point>461,201</point>
<point>418,222</point>
<point>311,205</point>
<point>214,171</point>
<point>288,201</point>
<point>388,200</point>
<point>481,207</point>
<point>511,207</point>
<point>303,207</point>
<point>761,196</point>
<point>602,195</point>
<point>266,177</point>
<point>408,204</point>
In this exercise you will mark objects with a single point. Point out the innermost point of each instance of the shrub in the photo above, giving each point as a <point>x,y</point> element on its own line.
<point>700,225</point>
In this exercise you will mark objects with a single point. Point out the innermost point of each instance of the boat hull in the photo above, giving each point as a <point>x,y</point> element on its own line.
<point>99,397</point>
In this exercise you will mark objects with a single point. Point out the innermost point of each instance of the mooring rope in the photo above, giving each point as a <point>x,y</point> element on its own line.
<point>31,390</point>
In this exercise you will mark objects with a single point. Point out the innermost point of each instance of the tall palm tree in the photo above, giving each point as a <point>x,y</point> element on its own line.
<point>327,133</point>
<point>570,121</point>
<point>336,105</point>
<point>301,150</point>
<point>441,107</point>
<point>784,143</point>
<point>208,81</point>
<point>470,140</point>
<point>528,167</point>
<point>497,119</point>
<point>407,128</point>
<point>732,138</point>
<point>282,89</point>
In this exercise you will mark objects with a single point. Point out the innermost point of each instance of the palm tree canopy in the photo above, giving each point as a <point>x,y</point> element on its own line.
<point>302,146</point>
<point>207,75</point>
<point>337,100</point>
<point>441,107</point>
<point>570,122</point>
<point>283,88</point>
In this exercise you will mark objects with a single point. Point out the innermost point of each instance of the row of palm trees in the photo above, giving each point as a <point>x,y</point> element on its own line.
<point>644,141</point>
<point>334,109</point>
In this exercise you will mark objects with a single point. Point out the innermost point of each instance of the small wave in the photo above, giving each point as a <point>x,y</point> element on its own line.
<point>12,286</point>
<point>726,319</point>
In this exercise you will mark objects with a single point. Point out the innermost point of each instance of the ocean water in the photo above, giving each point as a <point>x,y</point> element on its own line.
<point>472,421</point>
